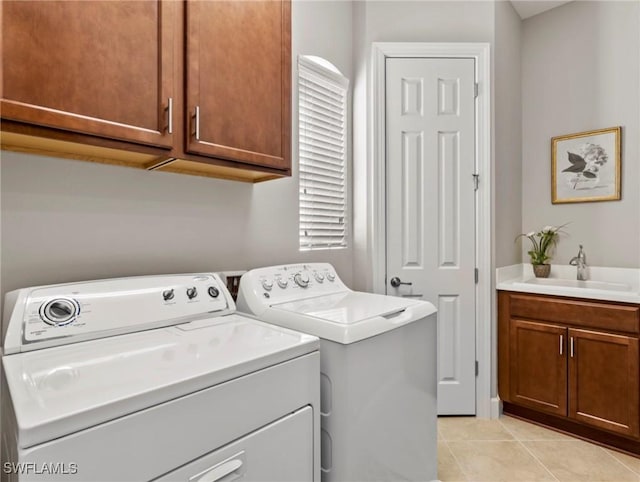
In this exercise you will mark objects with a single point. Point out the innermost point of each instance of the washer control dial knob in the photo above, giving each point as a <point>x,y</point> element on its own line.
<point>301,279</point>
<point>192,292</point>
<point>168,295</point>
<point>283,283</point>
<point>267,284</point>
<point>331,277</point>
<point>213,291</point>
<point>319,277</point>
<point>59,311</point>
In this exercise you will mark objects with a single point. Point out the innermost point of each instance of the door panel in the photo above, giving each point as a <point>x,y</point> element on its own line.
<point>430,108</point>
<point>239,80</point>
<point>538,366</point>
<point>603,381</point>
<point>102,67</point>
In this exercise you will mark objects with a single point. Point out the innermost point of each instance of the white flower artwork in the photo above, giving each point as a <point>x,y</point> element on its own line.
<point>586,166</point>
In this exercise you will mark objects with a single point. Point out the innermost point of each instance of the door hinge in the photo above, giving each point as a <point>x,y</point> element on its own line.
<point>475,90</point>
<point>476,275</point>
<point>476,181</point>
<point>477,368</point>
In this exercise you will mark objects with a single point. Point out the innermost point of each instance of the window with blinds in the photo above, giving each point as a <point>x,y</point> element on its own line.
<point>323,94</point>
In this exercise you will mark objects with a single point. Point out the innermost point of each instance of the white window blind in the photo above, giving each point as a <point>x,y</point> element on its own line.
<point>323,94</point>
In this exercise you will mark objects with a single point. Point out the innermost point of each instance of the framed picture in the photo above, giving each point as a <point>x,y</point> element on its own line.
<point>585,166</point>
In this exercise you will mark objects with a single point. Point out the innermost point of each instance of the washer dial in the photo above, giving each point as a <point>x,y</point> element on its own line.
<point>301,279</point>
<point>283,283</point>
<point>331,277</point>
<point>59,311</point>
<point>267,284</point>
<point>168,295</point>
<point>319,277</point>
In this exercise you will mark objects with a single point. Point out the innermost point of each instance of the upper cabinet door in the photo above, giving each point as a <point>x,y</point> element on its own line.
<point>238,84</point>
<point>103,68</point>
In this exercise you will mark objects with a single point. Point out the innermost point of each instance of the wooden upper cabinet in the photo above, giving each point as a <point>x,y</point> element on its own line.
<point>102,68</point>
<point>538,366</point>
<point>604,381</point>
<point>238,84</point>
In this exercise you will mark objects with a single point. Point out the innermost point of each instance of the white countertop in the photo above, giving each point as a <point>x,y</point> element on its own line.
<point>624,283</point>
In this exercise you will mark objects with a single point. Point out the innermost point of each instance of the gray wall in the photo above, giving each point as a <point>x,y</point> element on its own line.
<point>507,95</point>
<point>581,71</point>
<point>66,220</point>
<point>507,168</point>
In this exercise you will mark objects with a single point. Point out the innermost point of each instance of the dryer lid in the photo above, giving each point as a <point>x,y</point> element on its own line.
<point>62,390</point>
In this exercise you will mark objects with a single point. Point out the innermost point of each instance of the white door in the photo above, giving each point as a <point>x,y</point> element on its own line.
<point>430,137</point>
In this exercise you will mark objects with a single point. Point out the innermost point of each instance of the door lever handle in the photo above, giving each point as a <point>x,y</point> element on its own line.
<point>395,282</point>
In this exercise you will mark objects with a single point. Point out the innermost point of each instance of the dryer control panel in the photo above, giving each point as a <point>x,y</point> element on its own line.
<point>60,314</point>
<point>279,284</point>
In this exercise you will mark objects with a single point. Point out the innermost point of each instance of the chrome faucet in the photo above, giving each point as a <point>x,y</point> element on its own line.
<point>580,262</point>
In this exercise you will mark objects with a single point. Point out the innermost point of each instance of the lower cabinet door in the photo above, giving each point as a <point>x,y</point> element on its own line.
<point>538,366</point>
<point>603,381</point>
<point>280,452</point>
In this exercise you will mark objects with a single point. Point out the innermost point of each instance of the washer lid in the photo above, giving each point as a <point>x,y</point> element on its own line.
<point>62,390</point>
<point>348,316</point>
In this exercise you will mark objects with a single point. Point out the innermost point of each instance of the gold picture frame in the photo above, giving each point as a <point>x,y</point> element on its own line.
<point>586,167</point>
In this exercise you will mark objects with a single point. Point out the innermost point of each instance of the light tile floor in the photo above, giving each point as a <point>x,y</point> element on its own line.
<point>511,450</point>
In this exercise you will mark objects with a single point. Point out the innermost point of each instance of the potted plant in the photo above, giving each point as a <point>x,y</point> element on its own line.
<point>541,244</point>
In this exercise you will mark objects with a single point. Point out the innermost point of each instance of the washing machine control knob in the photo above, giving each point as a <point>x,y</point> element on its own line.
<point>192,292</point>
<point>331,277</point>
<point>283,283</point>
<point>301,279</point>
<point>59,311</point>
<point>319,277</point>
<point>213,291</point>
<point>267,284</point>
<point>168,295</point>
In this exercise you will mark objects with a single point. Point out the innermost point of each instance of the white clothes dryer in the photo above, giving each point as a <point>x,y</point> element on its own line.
<point>378,364</point>
<point>154,378</point>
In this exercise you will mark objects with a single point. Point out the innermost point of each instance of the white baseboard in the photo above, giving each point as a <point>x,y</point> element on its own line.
<point>496,407</point>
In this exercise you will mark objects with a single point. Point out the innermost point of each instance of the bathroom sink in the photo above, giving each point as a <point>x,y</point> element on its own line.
<point>571,283</point>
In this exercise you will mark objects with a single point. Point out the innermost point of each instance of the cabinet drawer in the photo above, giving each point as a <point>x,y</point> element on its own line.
<point>576,312</point>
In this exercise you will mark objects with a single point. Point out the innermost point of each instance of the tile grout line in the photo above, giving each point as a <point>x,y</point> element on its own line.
<point>573,440</point>
<point>528,451</point>
<point>618,460</point>
<point>455,459</point>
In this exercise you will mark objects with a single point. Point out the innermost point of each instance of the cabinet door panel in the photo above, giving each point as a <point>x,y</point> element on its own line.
<point>239,80</point>
<point>603,381</point>
<point>538,366</point>
<point>97,67</point>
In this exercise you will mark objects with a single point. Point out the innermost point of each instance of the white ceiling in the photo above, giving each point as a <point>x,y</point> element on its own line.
<point>529,8</point>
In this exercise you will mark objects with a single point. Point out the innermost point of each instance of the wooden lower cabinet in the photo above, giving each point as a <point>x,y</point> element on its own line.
<point>603,381</point>
<point>539,366</point>
<point>572,377</point>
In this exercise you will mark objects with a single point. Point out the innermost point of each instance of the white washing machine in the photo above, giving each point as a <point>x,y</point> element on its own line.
<point>378,364</point>
<point>154,378</point>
